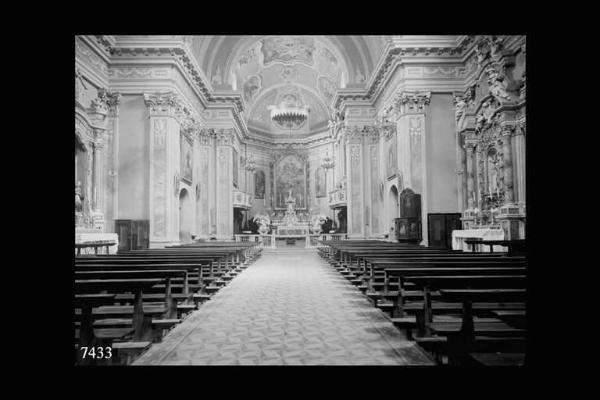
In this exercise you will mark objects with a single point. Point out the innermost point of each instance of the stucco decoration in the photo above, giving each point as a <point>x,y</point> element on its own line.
<point>269,66</point>
<point>326,88</point>
<point>251,88</point>
<point>288,49</point>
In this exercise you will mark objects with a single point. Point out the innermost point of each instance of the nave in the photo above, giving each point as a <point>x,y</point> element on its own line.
<point>288,308</point>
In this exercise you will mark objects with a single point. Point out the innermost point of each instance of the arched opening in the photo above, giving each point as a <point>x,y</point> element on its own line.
<point>393,209</point>
<point>185,216</point>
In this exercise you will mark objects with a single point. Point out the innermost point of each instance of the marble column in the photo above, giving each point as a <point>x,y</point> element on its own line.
<point>111,198</point>
<point>98,169</point>
<point>374,178</point>
<point>164,133</point>
<point>470,175</point>
<point>460,162</point>
<point>519,141</point>
<point>355,182</point>
<point>204,168</point>
<point>224,184</point>
<point>508,169</point>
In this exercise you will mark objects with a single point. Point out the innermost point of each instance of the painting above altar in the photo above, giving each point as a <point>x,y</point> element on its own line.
<point>290,177</point>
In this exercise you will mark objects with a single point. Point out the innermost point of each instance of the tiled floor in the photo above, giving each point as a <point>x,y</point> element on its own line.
<point>287,308</point>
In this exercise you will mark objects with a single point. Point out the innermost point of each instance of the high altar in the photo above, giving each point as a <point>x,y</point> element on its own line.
<point>290,225</point>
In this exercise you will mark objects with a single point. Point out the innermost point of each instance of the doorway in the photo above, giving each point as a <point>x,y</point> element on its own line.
<point>392,210</point>
<point>185,216</point>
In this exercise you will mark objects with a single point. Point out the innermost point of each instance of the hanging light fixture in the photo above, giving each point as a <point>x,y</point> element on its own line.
<point>289,117</point>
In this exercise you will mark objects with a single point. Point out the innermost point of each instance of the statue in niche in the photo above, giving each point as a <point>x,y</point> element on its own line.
<point>497,85</point>
<point>495,172</point>
<point>460,105</point>
<point>78,198</point>
<point>79,85</point>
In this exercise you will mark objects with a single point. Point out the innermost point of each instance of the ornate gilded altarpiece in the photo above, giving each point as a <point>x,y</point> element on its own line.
<point>290,172</point>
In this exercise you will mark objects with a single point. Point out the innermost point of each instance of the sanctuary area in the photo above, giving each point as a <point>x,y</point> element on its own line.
<point>300,200</point>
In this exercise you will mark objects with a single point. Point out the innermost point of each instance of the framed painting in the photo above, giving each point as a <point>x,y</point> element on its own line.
<point>186,160</point>
<point>259,184</point>
<point>290,178</point>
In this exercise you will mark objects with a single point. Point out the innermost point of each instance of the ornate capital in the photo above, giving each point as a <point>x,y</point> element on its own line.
<point>189,128</point>
<point>224,137</point>
<point>100,103</point>
<point>163,104</point>
<point>113,99</point>
<point>508,130</point>
<point>388,130</point>
<point>412,101</point>
<point>204,135</point>
<point>470,145</point>
<point>354,134</point>
<point>372,133</point>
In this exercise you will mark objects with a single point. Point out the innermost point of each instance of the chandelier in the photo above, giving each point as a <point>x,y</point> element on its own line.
<point>327,162</point>
<point>289,117</point>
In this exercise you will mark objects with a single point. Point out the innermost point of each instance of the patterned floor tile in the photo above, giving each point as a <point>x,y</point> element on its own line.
<point>286,309</point>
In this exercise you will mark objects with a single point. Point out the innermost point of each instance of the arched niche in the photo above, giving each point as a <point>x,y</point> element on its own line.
<point>393,205</point>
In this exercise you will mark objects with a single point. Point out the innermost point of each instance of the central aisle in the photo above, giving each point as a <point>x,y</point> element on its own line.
<point>287,308</point>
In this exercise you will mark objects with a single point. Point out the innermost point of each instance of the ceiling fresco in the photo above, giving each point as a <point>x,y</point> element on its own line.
<point>265,68</point>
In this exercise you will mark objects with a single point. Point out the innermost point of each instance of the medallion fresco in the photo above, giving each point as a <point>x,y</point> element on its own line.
<point>288,49</point>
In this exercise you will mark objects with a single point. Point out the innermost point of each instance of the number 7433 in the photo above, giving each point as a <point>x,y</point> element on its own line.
<point>96,352</point>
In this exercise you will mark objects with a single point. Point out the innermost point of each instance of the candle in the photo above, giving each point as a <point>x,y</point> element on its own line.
<point>497,192</point>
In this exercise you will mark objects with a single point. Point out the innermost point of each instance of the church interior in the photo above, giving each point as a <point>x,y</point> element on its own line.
<point>300,200</point>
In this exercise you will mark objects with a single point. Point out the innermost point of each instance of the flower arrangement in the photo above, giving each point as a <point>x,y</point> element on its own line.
<point>318,219</point>
<point>264,221</point>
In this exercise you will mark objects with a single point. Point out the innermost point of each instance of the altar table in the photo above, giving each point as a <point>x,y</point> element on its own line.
<point>459,237</point>
<point>87,237</point>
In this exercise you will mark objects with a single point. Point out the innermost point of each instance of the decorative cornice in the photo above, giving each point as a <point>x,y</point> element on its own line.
<point>189,67</point>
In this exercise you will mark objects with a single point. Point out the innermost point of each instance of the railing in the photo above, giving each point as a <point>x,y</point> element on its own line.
<point>261,240</point>
<point>242,199</point>
<point>265,241</point>
<point>312,240</point>
<point>337,198</point>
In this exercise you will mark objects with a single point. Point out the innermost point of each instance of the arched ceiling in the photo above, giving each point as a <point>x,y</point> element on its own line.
<point>266,68</point>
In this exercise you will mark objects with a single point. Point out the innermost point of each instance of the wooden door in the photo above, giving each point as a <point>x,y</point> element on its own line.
<point>141,234</point>
<point>453,223</point>
<point>440,227</point>
<point>124,228</point>
<point>436,230</point>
